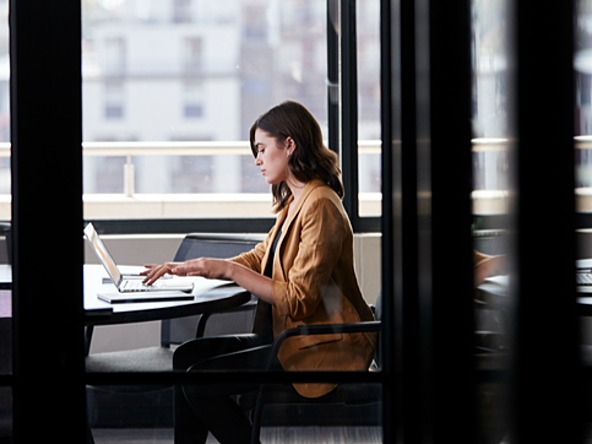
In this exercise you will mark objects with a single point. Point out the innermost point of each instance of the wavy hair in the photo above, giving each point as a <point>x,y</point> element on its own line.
<point>310,160</point>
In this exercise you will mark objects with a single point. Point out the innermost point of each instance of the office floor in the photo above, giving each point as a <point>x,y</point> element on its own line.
<point>277,435</point>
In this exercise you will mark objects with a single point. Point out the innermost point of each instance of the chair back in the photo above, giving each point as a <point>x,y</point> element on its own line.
<point>6,233</point>
<point>378,316</point>
<point>194,245</point>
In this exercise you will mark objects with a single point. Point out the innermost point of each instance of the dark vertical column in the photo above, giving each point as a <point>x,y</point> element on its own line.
<point>451,319</point>
<point>391,222</point>
<point>349,108</point>
<point>46,135</point>
<point>546,404</point>
<point>413,78</point>
<point>445,325</point>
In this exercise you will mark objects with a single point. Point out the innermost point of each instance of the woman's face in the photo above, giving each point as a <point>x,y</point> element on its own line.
<point>272,158</point>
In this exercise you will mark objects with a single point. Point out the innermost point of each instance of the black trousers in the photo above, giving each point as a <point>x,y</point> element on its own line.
<point>201,408</point>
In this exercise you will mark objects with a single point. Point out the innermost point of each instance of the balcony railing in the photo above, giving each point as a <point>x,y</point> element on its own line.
<point>132,204</point>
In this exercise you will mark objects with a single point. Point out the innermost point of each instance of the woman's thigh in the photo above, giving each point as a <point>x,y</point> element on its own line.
<point>203,349</point>
<point>250,358</point>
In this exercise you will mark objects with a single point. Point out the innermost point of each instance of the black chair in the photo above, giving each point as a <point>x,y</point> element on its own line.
<point>354,403</point>
<point>238,320</point>
<point>350,402</point>
<point>151,405</point>
<point>6,232</point>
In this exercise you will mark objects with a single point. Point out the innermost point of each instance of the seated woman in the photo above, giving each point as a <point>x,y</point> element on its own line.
<point>302,273</point>
<point>487,265</point>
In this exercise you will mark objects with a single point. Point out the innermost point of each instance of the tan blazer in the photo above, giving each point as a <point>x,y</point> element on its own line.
<point>315,283</point>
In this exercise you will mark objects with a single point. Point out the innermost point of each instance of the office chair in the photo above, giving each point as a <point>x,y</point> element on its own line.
<point>238,320</point>
<point>352,402</point>
<point>159,358</point>
<point>6,232</point>
<point>355,401</point>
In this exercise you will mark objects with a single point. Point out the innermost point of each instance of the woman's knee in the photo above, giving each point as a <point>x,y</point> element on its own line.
<point>186,353</point>
<point>200,349</point>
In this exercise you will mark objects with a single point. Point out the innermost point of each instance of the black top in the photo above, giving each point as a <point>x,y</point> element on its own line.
<point>262,322</point>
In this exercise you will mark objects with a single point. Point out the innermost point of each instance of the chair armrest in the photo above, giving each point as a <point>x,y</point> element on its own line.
<point>203,319</point>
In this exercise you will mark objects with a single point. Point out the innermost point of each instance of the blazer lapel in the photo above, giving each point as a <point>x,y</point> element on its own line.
<point>307,190</point>
<point>286,221</point>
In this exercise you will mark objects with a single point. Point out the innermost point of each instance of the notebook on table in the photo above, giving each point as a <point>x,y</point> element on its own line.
<point>173,288</point>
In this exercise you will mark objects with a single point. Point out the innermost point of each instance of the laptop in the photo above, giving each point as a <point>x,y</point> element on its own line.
<point>584,273</point>
<point>583,278</point>
<point>133,283</point>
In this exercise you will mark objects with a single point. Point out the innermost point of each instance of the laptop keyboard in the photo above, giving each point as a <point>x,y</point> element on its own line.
<point>133,285</point>
<point>137,285</point>
<point>584,278</point>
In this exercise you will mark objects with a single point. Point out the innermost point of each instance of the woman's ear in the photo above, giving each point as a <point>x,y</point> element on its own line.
<point>290,146</point>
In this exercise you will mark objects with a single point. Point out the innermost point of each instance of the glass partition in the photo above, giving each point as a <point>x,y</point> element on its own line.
<point>6,325</point>
<point>493,182</point>
<point>170,90</point>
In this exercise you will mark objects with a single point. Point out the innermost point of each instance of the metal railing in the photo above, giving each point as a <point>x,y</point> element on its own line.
<point>490,201</point>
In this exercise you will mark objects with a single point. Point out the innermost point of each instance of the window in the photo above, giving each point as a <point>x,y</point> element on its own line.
<point>113,54</point>
<point>163,81</point>
<point>182,11</point>
<point>192,54</point>
<point>114,100</point>
<point>490,97</point>
<point>368,86</point>
<point>193,97</point>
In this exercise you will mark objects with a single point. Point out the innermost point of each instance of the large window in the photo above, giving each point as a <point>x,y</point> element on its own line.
<point>192,76</point>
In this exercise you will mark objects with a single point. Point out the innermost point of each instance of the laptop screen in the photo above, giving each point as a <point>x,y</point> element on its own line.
<point>101,251</point>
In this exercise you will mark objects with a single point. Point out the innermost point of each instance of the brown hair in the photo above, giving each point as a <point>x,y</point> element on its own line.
<point>311,158</point>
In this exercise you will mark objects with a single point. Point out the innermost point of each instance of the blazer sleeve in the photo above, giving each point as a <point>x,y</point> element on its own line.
<point>253,258</point>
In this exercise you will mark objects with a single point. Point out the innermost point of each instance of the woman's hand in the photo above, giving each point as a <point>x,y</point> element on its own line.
<point>205,267</point>
<point>154,272</point>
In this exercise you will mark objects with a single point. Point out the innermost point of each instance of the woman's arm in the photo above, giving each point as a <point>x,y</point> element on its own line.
<point>250,280</point>
<point>226,269</point>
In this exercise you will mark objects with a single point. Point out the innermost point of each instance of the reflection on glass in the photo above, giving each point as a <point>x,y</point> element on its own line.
<point>6,399</point>
<point>4,99</point>
<point>583,99</point>
<point>492,183</point>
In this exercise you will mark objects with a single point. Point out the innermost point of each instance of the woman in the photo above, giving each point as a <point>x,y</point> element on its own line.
<point>487,265</point>
<point>302,273</point>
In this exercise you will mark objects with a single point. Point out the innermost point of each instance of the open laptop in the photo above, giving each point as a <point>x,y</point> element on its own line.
<point>584,273</point>
<point>584,278</point>
<point>128,283</point>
